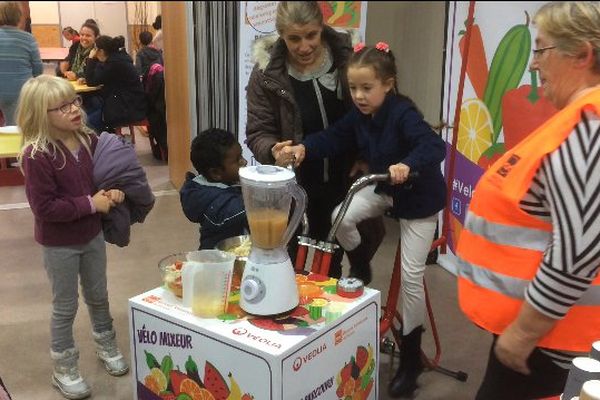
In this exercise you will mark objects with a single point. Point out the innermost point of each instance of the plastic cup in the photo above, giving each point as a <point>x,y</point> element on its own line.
<point>207,275</point>
<point>590,390</point>
<point>582,369</point>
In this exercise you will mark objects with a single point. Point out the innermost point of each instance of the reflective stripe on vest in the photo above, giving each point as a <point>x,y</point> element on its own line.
<point>531,239</point>
<point>501,247</point>
<point>513,287</point>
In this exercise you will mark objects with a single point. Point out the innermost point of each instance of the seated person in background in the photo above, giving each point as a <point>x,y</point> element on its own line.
<point>122,94</point>
<point>214,197</point>
<point>71,35</point>
<point>147,55</point>
<point>157,42</point>
<point>73,66</point>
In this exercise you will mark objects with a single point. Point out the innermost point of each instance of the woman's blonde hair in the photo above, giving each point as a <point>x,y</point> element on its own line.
<point>10,13</point>
<point>570,24</point>
<point>36,96</point>
<point>297,13</point>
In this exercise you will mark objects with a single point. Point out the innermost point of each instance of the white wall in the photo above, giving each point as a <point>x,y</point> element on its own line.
<point>44,12</point>
<point>415,33</point>
<point>152,10</point>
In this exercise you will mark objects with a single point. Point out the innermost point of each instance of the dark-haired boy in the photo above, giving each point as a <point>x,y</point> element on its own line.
<point>147,55</point>
<point>214,197</point>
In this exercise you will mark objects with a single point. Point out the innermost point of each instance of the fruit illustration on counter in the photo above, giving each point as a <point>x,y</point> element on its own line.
<point>355,379</point>
<point>164,382</point>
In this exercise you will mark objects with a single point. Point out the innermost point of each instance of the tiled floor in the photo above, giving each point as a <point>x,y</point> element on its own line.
<point>25,300</point>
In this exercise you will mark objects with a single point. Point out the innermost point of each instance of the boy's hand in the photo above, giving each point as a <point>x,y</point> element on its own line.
<point>102,202</point>
<point>399,173</point>
<point>115,195</point>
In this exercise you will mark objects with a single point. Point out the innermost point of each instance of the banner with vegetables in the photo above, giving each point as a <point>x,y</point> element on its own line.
<point>502,102</point>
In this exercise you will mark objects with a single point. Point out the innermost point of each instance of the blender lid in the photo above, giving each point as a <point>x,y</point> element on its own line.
<point>266,173</point>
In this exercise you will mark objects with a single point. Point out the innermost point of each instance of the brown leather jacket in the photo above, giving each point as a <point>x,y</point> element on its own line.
<point>273,115</point>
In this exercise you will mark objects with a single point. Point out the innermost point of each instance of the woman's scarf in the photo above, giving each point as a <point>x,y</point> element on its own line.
<point>79,60</point>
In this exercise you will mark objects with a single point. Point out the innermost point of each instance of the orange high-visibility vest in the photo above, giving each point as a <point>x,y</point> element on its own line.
<point>501,246</point>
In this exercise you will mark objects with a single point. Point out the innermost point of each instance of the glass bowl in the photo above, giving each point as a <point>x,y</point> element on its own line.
<point>170,271</point>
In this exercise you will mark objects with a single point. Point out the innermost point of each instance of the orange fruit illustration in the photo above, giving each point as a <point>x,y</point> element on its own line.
<point>192,389</point>
<point>160,378</point>
<point>151,383</point>
<point>476,129</point>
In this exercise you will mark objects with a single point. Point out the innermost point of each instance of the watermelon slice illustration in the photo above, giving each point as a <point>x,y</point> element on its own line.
<point>214,382</point>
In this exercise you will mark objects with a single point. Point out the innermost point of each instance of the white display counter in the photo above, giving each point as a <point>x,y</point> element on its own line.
<point>178,356</point>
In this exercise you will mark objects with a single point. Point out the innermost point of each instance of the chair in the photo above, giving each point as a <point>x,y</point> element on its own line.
<point>131,126</point>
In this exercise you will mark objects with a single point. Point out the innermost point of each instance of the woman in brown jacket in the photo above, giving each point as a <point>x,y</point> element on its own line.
<point>298,88</point>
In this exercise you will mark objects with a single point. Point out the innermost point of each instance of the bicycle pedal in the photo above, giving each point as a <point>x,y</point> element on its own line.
<point>388,345</point>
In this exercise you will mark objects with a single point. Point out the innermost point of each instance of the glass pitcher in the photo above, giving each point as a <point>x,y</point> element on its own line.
<point>268,191</point>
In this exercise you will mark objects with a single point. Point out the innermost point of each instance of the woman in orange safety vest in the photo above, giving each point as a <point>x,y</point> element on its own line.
<point>529,254</point>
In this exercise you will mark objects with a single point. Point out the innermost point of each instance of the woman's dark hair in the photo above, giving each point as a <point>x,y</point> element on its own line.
<point>157,24</point>
<point>91,25</point>
<point>120,41</point>
<point>209,148</point>
<point>382,62</point>
<point>145,38</point>
<point>109,45</point>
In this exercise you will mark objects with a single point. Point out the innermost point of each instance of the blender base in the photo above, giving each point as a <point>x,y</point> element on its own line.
<point>268,289</point>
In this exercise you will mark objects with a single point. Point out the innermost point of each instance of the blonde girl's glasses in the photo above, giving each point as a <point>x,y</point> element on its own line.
<point>537,53</point>
<point>66,108</point>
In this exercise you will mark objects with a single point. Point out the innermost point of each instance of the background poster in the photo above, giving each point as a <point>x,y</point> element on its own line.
<point>502,101</point>
<point>257,19</point>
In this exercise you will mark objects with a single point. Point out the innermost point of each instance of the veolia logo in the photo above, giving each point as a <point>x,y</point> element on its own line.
<point>299,361</point>
<point>239,331</point>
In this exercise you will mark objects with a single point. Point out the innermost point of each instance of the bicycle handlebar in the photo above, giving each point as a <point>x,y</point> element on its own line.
<point>356,186</point>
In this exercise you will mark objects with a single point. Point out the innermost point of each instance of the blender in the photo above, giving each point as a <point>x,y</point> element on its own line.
<point>268,284</point>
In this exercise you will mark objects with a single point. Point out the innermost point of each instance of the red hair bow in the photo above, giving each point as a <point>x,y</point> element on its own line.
<point>359,46</point>
<point>383,46</point>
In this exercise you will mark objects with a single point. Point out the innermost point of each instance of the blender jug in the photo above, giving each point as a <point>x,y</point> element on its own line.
<point>268,284</point>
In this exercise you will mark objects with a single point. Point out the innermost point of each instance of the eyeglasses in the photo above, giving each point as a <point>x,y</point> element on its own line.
<point>66,108</point>
<point>537,53</point>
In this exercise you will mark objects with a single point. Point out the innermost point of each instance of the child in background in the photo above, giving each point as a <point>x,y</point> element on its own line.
<point>214,197</point>
<point>389,133</point>
<point>147,55</point>
<point>58,169</point>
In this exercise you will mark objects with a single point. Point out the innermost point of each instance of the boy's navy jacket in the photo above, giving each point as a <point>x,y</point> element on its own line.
<point>396,134</point>
<point>218,208</point>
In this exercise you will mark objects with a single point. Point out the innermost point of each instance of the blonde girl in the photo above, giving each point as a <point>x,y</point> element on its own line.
<point>57,163</point>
